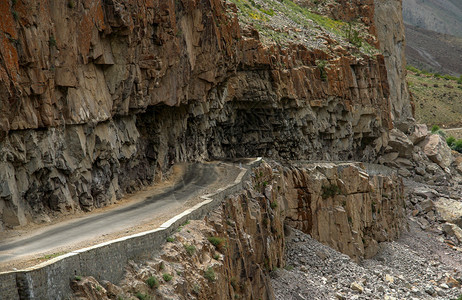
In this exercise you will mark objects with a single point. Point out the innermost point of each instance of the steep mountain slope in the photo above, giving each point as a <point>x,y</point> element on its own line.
<point>100,98</point>
<point>433,51</point>
<point>434,35</point>
<point>443,16</point>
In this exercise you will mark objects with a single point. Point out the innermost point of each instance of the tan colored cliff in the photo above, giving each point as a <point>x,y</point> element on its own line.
<point>390,33</point>
<point>230,253</point>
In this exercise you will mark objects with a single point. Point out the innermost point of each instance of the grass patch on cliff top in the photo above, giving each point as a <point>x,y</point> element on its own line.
<point>283,21</point>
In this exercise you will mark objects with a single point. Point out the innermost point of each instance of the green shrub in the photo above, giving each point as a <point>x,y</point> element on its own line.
<point>141,296</point>
<point>52,41</point>
<point>218,242</point>
<point>451,141</point>
<point>190,249</point>
<point>77,278</point>
<point>289,267</point>
<point>167,277</point>
<point>152,282</point>
<point>458,146</point>
<point>210,274</point>
<point>352,35</point>
<point>412,69</point>
<point>442,133</point>
<point>170,239</point>
<point>330,191</point>
<point>435,128</point>
<point>269,12</point>
<point>274,204</point>
<point>321,64</point>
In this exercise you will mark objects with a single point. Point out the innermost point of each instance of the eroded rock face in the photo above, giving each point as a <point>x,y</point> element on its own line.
<point>90,115</point>
<point>227,255</point>
<point>345,206</point>
<point>391,36</point>
<point>437,150</point>
<point>230,253</point>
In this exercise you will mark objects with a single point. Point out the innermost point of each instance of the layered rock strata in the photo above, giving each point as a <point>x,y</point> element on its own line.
<point>231,253</point>
<point>98,98</point>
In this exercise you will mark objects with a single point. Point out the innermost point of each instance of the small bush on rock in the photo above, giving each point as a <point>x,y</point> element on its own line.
<point>190,249</point>
<point>210,274</point>
<point>152,282</point>
<point>330,191</point>
<point>451,141</point>
<point>218,242</point>
<point>167,277</point>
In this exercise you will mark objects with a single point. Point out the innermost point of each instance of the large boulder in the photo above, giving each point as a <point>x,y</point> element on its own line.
<point>449,210</point>
<point>437,150</point>
<point>400,143</point>
<point>419,133</point>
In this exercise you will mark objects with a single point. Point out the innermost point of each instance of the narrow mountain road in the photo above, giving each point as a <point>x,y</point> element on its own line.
<point>197,180</point>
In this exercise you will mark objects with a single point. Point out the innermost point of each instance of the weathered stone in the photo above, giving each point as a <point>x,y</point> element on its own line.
<point>419,133</point>
<point>388,157</point>
<point>404,172</point>
<point>437,150</point>
<point>427,205</point>
<point>355,286</point>
<point>88,288</point>
<point>420,171</point>
<point>390,33</point>
<point>400,143</point>
<point>450,210</point>
<point>325,199</point>
<point>458,163</point>
<point>453,230</point>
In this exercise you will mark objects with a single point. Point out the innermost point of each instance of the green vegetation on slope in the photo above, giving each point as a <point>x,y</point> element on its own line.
<point>282,21</point>
<point>438,98</point>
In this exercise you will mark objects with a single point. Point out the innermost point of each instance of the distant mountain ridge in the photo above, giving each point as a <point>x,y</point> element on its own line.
<point>433,51</point>
<point>434,35</point>
<point>444,16</point>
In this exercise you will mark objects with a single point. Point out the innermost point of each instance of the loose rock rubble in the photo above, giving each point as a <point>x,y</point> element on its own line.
<point>401,270</point>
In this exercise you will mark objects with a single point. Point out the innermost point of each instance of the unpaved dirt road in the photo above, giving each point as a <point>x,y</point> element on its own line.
<point>198,179</point>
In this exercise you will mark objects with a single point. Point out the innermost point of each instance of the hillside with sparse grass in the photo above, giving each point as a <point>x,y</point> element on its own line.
<point>285,22</point>
<point>438,98</point>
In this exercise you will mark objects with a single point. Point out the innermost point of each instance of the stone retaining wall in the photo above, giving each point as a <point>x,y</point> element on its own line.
<point>106,261</point>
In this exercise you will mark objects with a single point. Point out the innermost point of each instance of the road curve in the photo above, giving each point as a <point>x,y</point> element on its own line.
<point>196,179</point>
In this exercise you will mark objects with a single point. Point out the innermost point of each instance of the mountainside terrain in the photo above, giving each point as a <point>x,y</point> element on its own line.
<point>443,16</point>
<point>434,35</point>
<point>433,51</point>
<point>438,100</point>
<point>99,99</point>
<point>119,92</point>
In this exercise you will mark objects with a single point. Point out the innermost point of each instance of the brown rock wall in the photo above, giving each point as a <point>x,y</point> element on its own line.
<point>230,253</point>
<point>390,32</point>
<point>94,91</point>
<point>345,206</point>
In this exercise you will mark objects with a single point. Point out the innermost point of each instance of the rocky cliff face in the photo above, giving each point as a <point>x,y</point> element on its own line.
<point>100,97</point>
<point>230,254</point>
<point>391,36</point>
